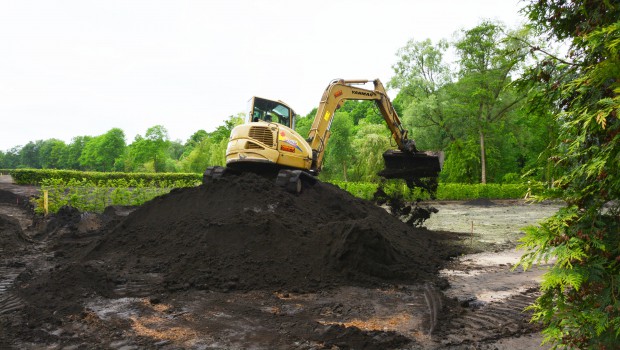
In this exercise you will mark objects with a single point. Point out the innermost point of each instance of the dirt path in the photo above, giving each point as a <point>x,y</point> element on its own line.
<point>481,308</point>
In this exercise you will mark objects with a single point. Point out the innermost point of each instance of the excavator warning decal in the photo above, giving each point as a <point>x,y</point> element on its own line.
<point>287,148</point>
<point>327,115</point>
<point>294,144</point>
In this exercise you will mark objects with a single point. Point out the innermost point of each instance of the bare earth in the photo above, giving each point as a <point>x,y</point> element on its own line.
<point>480,309</point>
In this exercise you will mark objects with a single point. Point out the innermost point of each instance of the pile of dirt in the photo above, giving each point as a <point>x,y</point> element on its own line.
<point>240,233</point>
<point>13,198</point>
<point>12,238</point>
<point>243,233</point>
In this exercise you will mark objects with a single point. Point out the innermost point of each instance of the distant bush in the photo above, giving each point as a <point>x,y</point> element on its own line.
<point>37,176</point>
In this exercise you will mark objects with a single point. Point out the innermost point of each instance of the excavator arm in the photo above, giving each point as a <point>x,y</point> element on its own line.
<point>407,163</point>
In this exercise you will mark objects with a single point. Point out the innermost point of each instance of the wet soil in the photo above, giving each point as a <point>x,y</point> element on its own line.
<point>241,265</point>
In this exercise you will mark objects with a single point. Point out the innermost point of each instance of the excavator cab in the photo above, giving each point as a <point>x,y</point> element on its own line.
<point>262,109</point>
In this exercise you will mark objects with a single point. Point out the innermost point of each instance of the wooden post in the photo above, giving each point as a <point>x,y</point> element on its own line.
<point>45,202</point>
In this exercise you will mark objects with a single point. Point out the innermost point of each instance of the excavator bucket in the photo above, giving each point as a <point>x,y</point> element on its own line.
<point>411,166</point>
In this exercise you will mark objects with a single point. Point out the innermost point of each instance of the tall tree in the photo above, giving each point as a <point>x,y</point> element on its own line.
<point>100,153</point>
<point>51,153</point>
<point>304,123</point>
<point>580,301</point>
<point>11,159</point>
<point>212,149</point>
<point>71,156</point>
<point>487,60</point>
<point>151,148</point>
<point>452,107</point>
<point>175,149</point>
<point>369,142</point>
<point>423,78</point>
<point>29,155</point>
<point>339,152</point>
<point>193,141</point>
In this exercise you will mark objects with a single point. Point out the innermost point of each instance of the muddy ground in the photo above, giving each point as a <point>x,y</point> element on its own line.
<point>317,271</point>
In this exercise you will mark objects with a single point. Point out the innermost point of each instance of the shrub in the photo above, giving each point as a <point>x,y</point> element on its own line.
<point>90,196</point>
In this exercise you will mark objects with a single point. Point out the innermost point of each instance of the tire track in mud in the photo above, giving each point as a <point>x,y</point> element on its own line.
<point>489,322</point>
<point>9,271</point>
<point>139,285</point>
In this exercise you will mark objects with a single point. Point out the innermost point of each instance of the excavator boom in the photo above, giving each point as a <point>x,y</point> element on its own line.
<point>405,163</point>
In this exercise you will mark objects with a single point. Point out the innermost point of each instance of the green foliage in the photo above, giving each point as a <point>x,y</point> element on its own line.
<point>101,152</point>
<point>363,190</point>
<point>193,141</point>
<point>95,196</point>
<point>10,159</point>
<point>580,304</point>
<point>211,150</point>
<point>29,155</point>
<point>51,154</point>
<point>73,152</point>
<point>369,143</point>
<point>454,191</point>
<point>445,191</point>
<point>469,109</point>
<point>304,123</point>
<point>339,152</point>
<point>149,152</point>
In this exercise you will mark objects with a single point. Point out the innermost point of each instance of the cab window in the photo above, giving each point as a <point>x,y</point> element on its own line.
<point>270,111</point>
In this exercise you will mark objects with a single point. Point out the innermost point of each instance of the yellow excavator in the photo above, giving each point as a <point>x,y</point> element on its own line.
<point>267,142</point>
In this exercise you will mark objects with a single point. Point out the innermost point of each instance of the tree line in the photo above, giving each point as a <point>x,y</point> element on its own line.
<point>151,152</point>
<point>471,109</point>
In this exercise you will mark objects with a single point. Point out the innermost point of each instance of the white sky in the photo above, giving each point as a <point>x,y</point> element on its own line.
<point>81,67</point>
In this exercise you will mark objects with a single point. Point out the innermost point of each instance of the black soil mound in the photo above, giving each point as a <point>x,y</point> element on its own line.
<point>244,233</point>
<point>12,239</point>
<point>240,233</point>
<point>13,198</point>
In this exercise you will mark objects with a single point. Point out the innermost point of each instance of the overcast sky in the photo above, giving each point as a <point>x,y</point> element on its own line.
<point>72,68</point>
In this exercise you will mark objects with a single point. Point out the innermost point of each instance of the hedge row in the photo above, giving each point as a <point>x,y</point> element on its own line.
<point>36,177</point>
<point>365,190</point>
<point>446,191</point>
<point>452,191</point>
